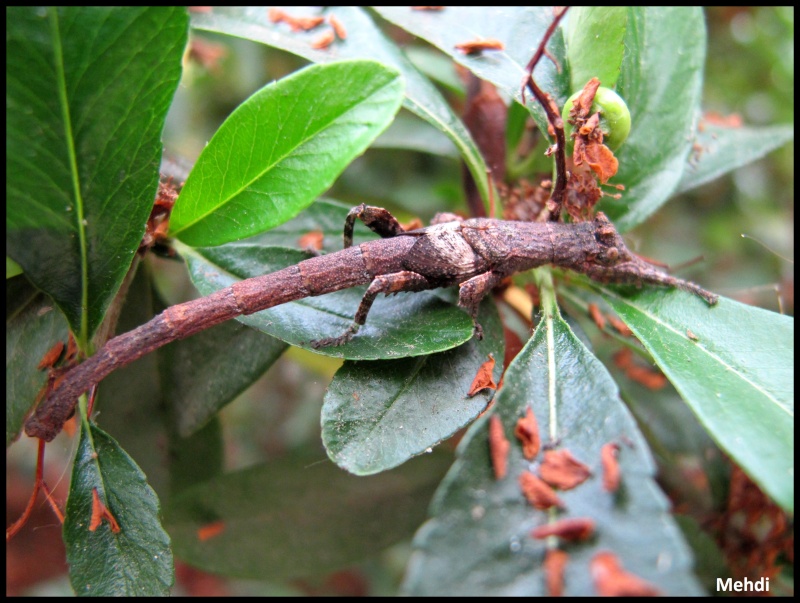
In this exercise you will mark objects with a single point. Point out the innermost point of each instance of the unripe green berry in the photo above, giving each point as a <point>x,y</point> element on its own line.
<point>615,119</point>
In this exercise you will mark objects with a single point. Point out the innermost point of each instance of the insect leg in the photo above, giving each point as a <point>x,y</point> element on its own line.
<point>385,283</point>
<point>639,272</point>
<point>472,291</point>
<point>377,219</point>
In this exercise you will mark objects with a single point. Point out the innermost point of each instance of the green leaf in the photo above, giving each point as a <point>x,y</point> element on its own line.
<point>478,541</point>
<point>365,41</point>
<point>87,91</point>
<point>407,324</point>
<point>595,44</point>
<point>738,377</point>
<point>12,268</point>
<point>377,415</point>
<point>32,328</point>
<point>576,404</point>
<point>408,132</point>
<point>205,443</point>
<point>204,373</point>
<point>283,147</point>
<point>661,81</point>
<point>519,28</point>
<point>136,561</point>
<point>295,517</point>
<point>722,150</point>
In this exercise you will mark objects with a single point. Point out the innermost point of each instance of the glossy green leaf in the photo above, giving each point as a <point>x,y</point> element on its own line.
<point>87,91</point>
<point>406,324</point>
<point>12,268</point>
<point>205,443</point>
<point>364,41</point>
<point>283,147</point>
<point>661,81</point>
<point>295,517</point>
<point>595,44</point>
<point>438,67</point>
<point>738,378</point>
<point>136,561</point>
<point>408,132</point>
<point>721,150</point>
<point>478,541</point>
<point>207,371</point>
<point>377,415</point>
<point>519,28</point>
<point>33,326</point>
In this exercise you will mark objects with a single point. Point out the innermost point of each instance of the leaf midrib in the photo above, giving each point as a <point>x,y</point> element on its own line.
<point>59,67</point>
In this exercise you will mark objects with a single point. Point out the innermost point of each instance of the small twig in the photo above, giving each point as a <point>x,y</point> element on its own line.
<point>554,118</point>
<point>14,528</point>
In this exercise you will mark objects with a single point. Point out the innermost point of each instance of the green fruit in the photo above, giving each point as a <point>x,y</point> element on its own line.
<point>615,119</point>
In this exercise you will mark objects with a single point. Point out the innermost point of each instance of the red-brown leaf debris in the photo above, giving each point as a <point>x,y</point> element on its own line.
<point>101,512</point>
<point>276,15</point>
<point>210,530</point>
<point>323,41</point>
<point>562,470</point>
<point>554,563</point>
<point>647,377</point>
<point>571,529</point>
<point>478,46</point>
<point>597,316</point>
<point>620,326</point>
<point>311,240</point>
<point>611,473</point>
<point>498,447</point>
<point>51,356</point>
<point>527,432</point>
<point>338,27</point>
<point>610,580</point>
<point>538,493</point>
<point>483,378</point>
<point>589,147</point>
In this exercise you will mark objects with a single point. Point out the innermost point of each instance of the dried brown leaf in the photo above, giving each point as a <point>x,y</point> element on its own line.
<point>537,492</point>
<point>324,40</point>
<point>555,561</point>
<point>610,580</point>
<point>51,356</point>
<point>597,316</point>
<point>483,378</point>
<point>338,27</point>
<point>210,530</point>
<point>527,432</point>
<point>498,447</point>
<point>311,240</point>
<point>479,45</point>
<point>562,470</point>
<point>570,529</point>
<point>620,326</point>
<point>611,472</point>
<point>101,512</point>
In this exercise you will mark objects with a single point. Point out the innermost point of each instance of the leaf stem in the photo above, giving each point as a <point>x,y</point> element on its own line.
<point>549,308</point>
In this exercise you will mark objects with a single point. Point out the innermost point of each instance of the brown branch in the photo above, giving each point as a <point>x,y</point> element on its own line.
<point>474,254</point>
<point>554,118</point>
<point>315,276</point>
